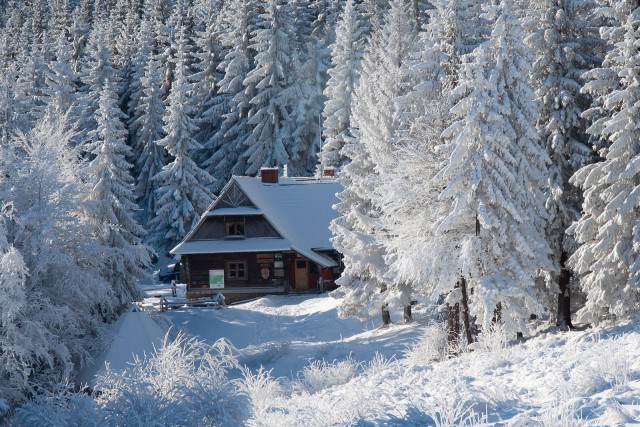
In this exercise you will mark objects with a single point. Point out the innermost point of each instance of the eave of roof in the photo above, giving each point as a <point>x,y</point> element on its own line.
<point>259,244</point>
<point>242,210</point>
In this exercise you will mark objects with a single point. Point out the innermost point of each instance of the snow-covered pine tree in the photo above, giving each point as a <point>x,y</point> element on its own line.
<point>270,114</point>
<point>183,192</point>
<point>145,52</point>
<point>563,46</point>
<point>10,36</point>
<point>346,54</point>
<point>494,227</point>
<point>607,258</point>
<point>16,343</point>
<point>233,96</point>
<point>112,202</point>
<point>358,232</point>
<point>59,18</point>
<point>151,157</point>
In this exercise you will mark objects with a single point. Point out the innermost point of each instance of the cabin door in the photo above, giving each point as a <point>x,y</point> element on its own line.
<point>302,274</point>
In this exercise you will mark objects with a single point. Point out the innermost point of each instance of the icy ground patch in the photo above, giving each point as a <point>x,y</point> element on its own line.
<point>311,368</point>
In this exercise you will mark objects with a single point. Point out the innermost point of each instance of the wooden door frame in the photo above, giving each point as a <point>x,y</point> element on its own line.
<point>295,272</point>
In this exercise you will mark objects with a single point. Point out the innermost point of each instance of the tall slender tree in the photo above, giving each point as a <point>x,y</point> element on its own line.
<point>149,130</point>
<point>60,92</point>
<point>113,204</point>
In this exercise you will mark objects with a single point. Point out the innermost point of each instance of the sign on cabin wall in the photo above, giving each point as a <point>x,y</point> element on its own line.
<point>216,279</point>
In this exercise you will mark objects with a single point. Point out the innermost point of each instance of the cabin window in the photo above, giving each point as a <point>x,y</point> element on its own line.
<point>234,228</point>
<point>236,270</point>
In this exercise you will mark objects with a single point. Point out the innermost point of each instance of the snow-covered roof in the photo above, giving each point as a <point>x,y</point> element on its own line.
<point>300,209</point>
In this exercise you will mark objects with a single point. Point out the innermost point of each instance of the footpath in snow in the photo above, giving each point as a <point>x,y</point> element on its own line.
<point>286,333</point>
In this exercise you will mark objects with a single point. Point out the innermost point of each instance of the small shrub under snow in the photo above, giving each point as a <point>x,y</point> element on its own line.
<point>493,339</point>
<point>431,347</point>
<point>320,374</point>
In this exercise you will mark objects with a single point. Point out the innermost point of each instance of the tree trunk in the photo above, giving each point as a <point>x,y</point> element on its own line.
<point>453,323</point>
<point>386,317</point>
<point>407,313</point>
<point>563,320</point>
<point>465,310</point>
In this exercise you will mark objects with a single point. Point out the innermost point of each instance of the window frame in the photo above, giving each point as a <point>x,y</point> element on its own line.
<point>228,269</point>
<point>234,222</point>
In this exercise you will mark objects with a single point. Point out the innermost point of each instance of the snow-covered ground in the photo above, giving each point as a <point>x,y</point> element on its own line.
<point>330,371</point>
<point>292,362</point>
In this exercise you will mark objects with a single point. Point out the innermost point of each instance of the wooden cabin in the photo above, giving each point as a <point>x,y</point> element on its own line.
<point>264,235</point>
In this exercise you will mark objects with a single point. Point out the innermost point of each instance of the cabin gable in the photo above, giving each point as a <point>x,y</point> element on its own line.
<point>233,197</point>
<point>233,226</point>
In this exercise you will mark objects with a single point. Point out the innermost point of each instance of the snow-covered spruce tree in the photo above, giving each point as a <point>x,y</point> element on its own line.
<point>28,88</point>
<point>309,63</point>
<point>60,92</point>
<point>59,17</point>
<point>270,114</point>
<point>96,70</point>
<point>66,299</point>
<point>208,54</point>
<point>607,258</point>
<point>457,28</point>
<point>233,96</point>
<point>494,227</point>
<point>79,34</point>
<point>112,203</point>
<point>561,43</point>
<point>346,54</point>
<point>183,192</point>
<point>151,157</point>
<point>358,232</point>
<point>146,52</point>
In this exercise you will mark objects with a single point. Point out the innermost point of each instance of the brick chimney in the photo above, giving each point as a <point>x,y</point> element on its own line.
<point>329,171</point>
<point>269,175</point>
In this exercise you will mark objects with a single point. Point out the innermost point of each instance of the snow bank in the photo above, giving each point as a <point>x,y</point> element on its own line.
<point>135,334</point>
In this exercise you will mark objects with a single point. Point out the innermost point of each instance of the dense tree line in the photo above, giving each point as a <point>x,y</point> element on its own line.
<point>488,152</point>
